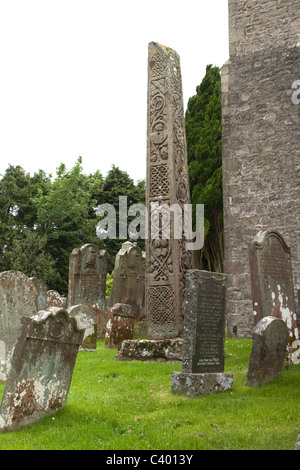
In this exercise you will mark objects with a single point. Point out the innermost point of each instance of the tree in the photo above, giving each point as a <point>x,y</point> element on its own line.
<point>43,219</point>
<point>17,210</point>
<point>204,147</point>
<point>119,184</point>
<point>27,254</point>
<point>64,217</point>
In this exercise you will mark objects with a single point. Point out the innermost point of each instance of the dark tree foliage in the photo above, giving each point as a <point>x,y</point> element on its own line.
<point>42,219</point>
<point>204,146</point>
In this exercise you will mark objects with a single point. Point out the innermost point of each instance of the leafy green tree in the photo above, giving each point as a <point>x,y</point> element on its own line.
<point>64,216</point>
<point>27,254</point>
<point>204,147</point>
<point>119,184</point>
<point>43,219</point>
<point>17,210</point>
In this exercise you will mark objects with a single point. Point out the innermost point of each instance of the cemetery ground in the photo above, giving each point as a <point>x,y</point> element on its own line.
<point>119,405</point>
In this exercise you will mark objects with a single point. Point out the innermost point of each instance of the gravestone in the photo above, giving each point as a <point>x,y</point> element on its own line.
<point>298,311</point>
<point>42,292</point>
<point>120,325</point>
<point>42,367</point>
<point>87,281</point>
<point>167,183</point>
<point>54,299</point>
<point>297,447</point>
<point>18,297</point>
<point>86,319</point>
<point>268,351</point>
<point>129,279</point>
<point>272,281</point>
<point>204,336</point>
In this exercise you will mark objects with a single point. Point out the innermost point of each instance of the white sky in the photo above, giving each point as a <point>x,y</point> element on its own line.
<point>73,76</point>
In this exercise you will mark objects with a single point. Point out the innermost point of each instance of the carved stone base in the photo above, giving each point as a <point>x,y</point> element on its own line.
<point>195,385</point>
<point>165,350</point>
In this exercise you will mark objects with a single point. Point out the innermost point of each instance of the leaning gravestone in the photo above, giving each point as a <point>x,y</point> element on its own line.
<point>86,319</point>
<point>18,297</point>
<point>268,351</point>
<point>42,367</point>
<point>129,279</point>
<point>272,281</point>
<point>120,325</point>
<point>204,337</point>
<point>87,281</point>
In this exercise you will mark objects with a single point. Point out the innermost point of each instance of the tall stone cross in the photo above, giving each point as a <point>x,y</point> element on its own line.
<point>167,183</point>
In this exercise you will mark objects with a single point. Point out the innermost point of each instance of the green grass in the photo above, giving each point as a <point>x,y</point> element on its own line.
<point>129,405</point>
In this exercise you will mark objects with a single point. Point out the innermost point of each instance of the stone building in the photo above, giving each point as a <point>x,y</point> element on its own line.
<point>261,158</point>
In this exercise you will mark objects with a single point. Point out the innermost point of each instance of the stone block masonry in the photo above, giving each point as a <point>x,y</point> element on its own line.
<point>261,158</point>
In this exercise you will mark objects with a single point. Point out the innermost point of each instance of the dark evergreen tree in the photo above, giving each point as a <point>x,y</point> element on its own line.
<point>204,147</point>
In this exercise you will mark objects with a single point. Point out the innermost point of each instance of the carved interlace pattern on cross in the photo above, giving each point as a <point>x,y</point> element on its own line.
<point>161,303</point>
<point>158,121</point>
<point>159,182</point>
<point>160,260</point>
<point>167,260</point>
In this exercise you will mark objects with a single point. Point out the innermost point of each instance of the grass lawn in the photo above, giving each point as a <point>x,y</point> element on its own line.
<point>129,405</point>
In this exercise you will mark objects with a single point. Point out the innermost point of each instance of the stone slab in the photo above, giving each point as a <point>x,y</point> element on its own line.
<point>165,350</point>
<point>120,325</point>
<point>86,319</point>
<point>87,276</point>
<point>54,299</point>
<point>129,279</point>
<point>19,297</point>
<point>268,351</point>
<point>41,369</point>
<point>196,385</point>
<point>204,322</point>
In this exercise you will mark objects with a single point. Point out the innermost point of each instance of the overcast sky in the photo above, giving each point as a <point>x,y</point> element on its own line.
<point>73,77</point>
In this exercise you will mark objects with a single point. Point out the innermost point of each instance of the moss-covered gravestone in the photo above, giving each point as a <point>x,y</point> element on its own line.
<point>41,368</point>
<point>268,351</point>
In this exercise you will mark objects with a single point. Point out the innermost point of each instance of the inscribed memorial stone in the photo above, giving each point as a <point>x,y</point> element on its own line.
<point>167,184</point>
<point>87,276</point>
<point>42,367</point>
<point>204,336</point>
<point>129,279</point>
<point>87,281</point>
<point>272,280</point>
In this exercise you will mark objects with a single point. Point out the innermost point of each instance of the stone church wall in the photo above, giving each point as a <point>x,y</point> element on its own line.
<point>261,137</point>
